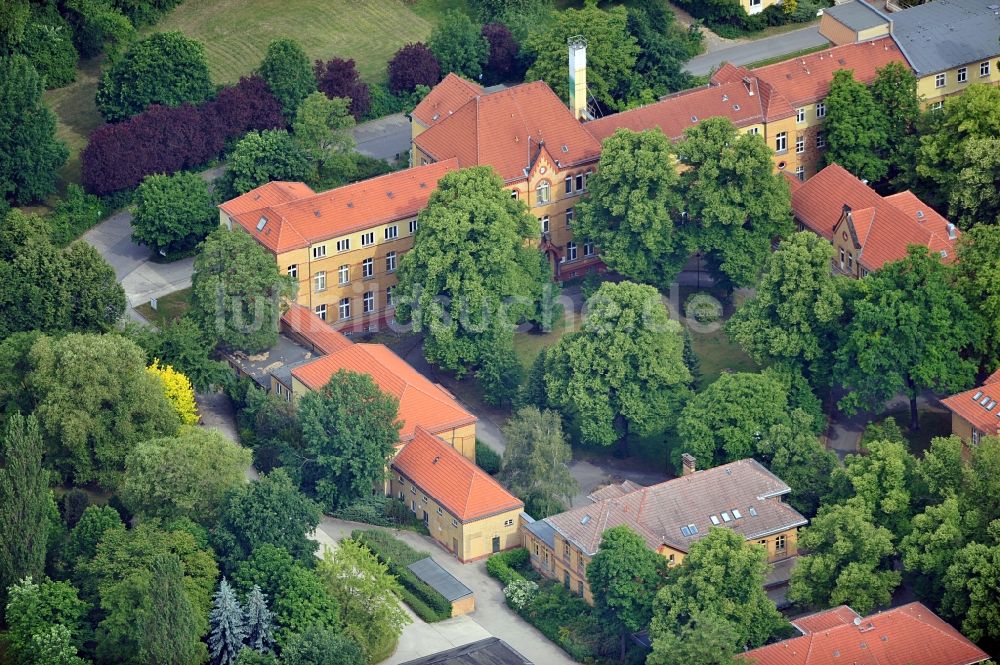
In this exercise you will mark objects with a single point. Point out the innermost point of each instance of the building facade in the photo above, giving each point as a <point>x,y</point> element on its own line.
<point>975,413</point>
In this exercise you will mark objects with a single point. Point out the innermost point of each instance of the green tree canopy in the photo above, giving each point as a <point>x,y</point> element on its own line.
<point>722,575</point>
<point>849,560</point>
<point>318,645</point>
<point>30,153</point>
<point>894,92</point>
<point>800,459</point>
<point>908,330</point>
<point>187,475</point>
<point>930,547</point>
<point>972,590</point>
<point>977,275</point>
<point>96,299</point>
<point>535,461</point>
<point>173,213</point>
<point>981,496</point>
<point>459,46</point>
<point>632,206</point>
<point>237,291</point>
<point>260,157</point>
<point>88,532</point>
<point>350,429</point>
<point>664,46</point>
<point>611,53</point>
<point>942,467</point>
<point>704,638</point>
<point>322,130</point>
<point>856,129</point>
<point>287,72</point>
<point>33,608</point>
<point>623,371</point>
<point>882,479</point>
<point>165,68</point>
<point>183,345</point>
<point>735,201</point>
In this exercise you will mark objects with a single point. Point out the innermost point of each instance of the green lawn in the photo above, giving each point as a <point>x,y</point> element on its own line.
<point>76,115</point>
<point>168,308</point>
<point>236,32</point>
<point>527,345</point>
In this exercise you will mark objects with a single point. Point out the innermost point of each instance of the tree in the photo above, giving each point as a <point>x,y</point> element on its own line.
<point>322,131</point>
<point>24,502</point>
<point>228,626</point>
<point>611,53</point>
<point>882,479</point>
<point>535,461</point>
<point>632,206</point>
<point>981,495</point>
<point>849,560</point>
<point>13,21</point>
<point>350,429</point>
<point>96,299</point>
<point>723,576</point>
<point>98,27</point>
<point>30,153</point>
<point>88,532</point>
<point>856,129</point>
<point>705,638</point>
<point>471,276</point>
<point>801,460</point>
<point>150,619</point>
<point>794,315</point>
<point>941,469</point>
<point>259,633</point>
<point>173,213</point>
<point>261,157</point>
<point>286,70</point>
<point>623,371</point>
<point>458,45</point>
<point>664,46</point>
<point>624,577</point>
<point>48,44</point>
<point>34,608</point>
<point>893,345</point>
<point>270,510</point>
<point>184,346</point>
<point>894,92</point>
<point>237,291</point>
<point>977,276</point>
<point>165,68</point>
<point>366,593</point>
<point>251,657</point>
<point>187,475</point>
<point>339,78</point>
<point>74,380</point>
<point>54,647</point>
<point>737,204</point>
<point>178,391</point>
<point>972,591</point>
<point>503,50</point>
<point>318,645</point>
<point>930,548</point>
<point>413,65</point>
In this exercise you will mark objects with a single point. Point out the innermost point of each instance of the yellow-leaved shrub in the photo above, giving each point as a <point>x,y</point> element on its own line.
<point>179,391</point>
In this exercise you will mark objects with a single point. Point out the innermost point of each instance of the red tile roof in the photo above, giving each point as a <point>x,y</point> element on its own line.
<point>806,79</point>
<point>299,319</point>
<point>980,406</point>
<point>298,222</point>
<point>503,129</point>
<point>422,403</point>
<point>461,487</point>
<point>885,226</point>
<point>445,98</point>
<point>906,635</point>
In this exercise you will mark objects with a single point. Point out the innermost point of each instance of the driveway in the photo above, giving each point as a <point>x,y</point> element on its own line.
<point>755,51</point>
<point>385,138</point>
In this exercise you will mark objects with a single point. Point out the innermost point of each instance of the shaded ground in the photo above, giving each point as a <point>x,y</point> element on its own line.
<point>844,432</point>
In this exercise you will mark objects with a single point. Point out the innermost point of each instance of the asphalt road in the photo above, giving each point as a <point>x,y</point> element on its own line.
<point>755,51</point>
<point>385,138</point>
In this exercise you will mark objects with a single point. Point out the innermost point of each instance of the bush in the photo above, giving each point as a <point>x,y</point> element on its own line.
<point>506,566</point>
<point>386,547</point>
<point>48,44</point>
<point>487,459</point>
<point>74,503</point>
<point>73,215</point>
<point>380,510</point>
<point>413,65</point>
<point>520,592</point>
<point>419,607</point>
<point>397,555</point>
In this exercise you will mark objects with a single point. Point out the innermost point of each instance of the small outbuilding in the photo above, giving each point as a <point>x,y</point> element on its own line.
<point>490,651</point>
<point>431,573</point>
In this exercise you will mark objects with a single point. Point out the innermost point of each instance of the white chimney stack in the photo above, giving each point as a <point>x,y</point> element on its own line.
<point>578,77</point>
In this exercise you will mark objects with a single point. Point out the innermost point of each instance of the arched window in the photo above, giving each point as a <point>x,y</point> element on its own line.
<point>542,192</point>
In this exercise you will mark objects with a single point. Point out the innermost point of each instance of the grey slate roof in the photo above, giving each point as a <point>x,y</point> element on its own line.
<point>543,531</point>
<point>490,651</point>
<point>857,15</point>
<point>439,579</point>
<point>944,34</point>
<point>279,360</point>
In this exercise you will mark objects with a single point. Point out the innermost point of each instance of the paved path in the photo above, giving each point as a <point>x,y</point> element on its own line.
<point>843,436</point>
<point>755,51</point>
<point>384,138</point>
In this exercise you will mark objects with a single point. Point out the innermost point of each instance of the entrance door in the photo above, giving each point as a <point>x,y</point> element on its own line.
<point>496,543</point>
<point>425,518</point>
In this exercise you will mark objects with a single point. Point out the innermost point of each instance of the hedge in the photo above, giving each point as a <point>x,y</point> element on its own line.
<point>505,565</point>
<point>380,510</point>
<point>420,608</point>
<point>487,458</point>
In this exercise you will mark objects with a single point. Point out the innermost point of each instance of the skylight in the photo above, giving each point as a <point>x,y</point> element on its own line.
<point>979,393</point>
<point>737,514</point>
<point>262,223</point>
<point>753,511</point>
<point>715,520</point>
<point>726,517</point>
<point>685,531</point>
<point>693,529</point>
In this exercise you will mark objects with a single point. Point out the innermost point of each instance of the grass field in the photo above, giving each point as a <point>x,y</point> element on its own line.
<point>236,32</point>
<point>168,308</point>
<point>76,115</point>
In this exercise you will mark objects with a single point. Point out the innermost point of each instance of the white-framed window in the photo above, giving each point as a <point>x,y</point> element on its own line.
<point>937,106</point>
<point>963,74</point>
<point>842,257</point>
<point>545,223</point>
<point>542,192</point>
<point>368,239</point>
<point>821,110</point>
<point>513,194</point>
<point>390,262</point>
<point>569,184</point>
<point>800,115</point>
<point>439,511</point>
<point>800,172</point>
<point>976,436</point>
<point>754,131</point>
<point>344,245</point>
<point>319,281</point>
<point>343,274</point>
<point>368,268</point>
<point>413,226</point>
<point>321,311</point>
<point>319,251</point>
<point>570,216</point>
<point>781,142</point>
<point>571,251</point>
<point>820,140</point>
<point>368,302</point>
<point>940,80</point>
<point>755,3</point>
<point>850,260</point>
<point>581,182</point>
<point>588,249</point>
<point>800,145</point>
<point>392,232</point>
<point>293,271</point>
<point>508,522</point>
<point>390,296</point>
<point>984,68</point>
<point>454,522</point>
<point>344,308</point>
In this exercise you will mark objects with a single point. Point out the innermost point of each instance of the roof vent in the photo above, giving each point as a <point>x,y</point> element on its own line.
<point>437,458</point>
<point>586,518</point>
<point>885,638</point>
<point>261,223</point>
<point>857,621</point>
<point>694,118</point>
<point>920,214</point>
<point>423,185</point>
<point>435,117</point>
<point>752,511</point>
<point>317,213</point>
<point>565,148</point>
<point>841,61</point>
<point>725,98</point>
<point>729,472</point>
<point>350,204</point>
<point>736,107</point>
<point>256,197</point>
<point>389,194</point>
<point>836,653</point>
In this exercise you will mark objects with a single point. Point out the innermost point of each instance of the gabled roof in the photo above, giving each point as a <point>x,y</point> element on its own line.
<point>884,227</point>
<point>663,513</point>
<point>461,487</point>
<point>980,406</point>
<point>280,223</point>
<point>422,403</point>
<point>299,319</point>
<point>445,98</point>
<point>944,34</point>
<point>806,79</point>
<point>906,635</point>
<point>504,129</point>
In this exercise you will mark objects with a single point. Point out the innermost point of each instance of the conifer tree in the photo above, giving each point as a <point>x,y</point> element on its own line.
<point>228,626</point>
<point>258,626</point>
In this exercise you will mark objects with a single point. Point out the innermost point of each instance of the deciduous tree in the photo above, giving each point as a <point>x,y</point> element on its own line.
<point>664,46</point>
<point>535,461</point>
<point>96,299</point>
<point>894,92</point>
<point>503,52</point>
<point>972,590</point>
<point>799,459</point>
<point>705,638</point>
<point>261,157</point>
<point>977,276</point>
<point>981,489</point>
<point>930,548</point>
<point>88,532</point>
<point>882,479</point>
<point>856,129</point>
<point>413,65</point>
<point>623,372</point>
<point>178,391</point>
<point>459,46</point>
<point>322,130</point>
<point>318,645</point>
<point>942,469</point>
<point>33,608</point>
<point>185,347</point>
<point>54,647</point>
<point>339,78</point>
<point>173,213</point>
<point>286,70</point>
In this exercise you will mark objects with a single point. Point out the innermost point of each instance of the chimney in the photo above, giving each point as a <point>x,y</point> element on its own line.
<point>952,232</point>
<point>688,464</point>
<point>578,77</point>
